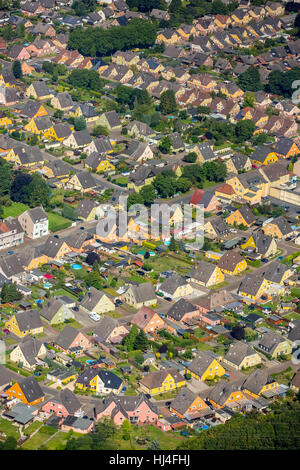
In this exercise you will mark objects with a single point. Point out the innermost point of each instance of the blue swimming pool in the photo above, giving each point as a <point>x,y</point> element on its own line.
<point>76,266</point>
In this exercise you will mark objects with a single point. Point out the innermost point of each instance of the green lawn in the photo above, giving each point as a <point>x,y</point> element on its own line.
<point>9,428</point>
<point>39,438</point>
<point>14,210</point>
<point>57,222</point>
<point>61,326</point>
<point>292,315</point>
<point>32,427</point>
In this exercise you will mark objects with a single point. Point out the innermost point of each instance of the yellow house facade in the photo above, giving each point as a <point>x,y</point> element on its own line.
<point>158,384</point>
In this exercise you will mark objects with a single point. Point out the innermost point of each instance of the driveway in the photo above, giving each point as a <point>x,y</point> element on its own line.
<point>196,386</point>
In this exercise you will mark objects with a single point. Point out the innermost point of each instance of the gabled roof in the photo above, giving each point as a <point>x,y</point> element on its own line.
<point>230,260</point>
<point>200,363</point>
<point>238,352</point>
<point>180,308</point>
<point>31,389</point>
<point>105,327</point>
<point>66,337</point>
<point>29,320</point>
<point>203,271</point>
<point>92,298</point>
<point>171,284</point>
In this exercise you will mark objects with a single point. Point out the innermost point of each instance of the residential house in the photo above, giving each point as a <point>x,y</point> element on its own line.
<point>274,344</point>
<point>26,390</point>
<point>204,367</point>
<point>39,91</point>
<point>100,381</point>
<point>206,198</point>
<point>278,228</point>
<point>188,404</point>
<point>110,330</point>
<point>34,222</point>
<point>135,409</point>
<point>261,243</point>
<point>263,155</point>
<point>55,311</point>
<point>29,352</point>
<point>110,120</point>
<point>83,182</point>
<point>242,216</point>
<point>88,210</point>
<point>225,394</point>
<point>140,295</point>
<point>232,263</point>
<point>258,382</point>
<point>241,356</point>
<point>66,403</point>
<point>206,274</point>
<point>25,323</point>
<point>182,311</point>
<point>11,233</point>
<point>162,381</point>
<point>147,320</point>
<point>175,287</point>
<point>72,341</point>
<point>96,301</point>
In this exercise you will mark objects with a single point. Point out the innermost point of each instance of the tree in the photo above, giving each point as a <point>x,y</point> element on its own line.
<point>130,338</point>
<point>92,258</point>
<point>126,429</point>
<point>172,245</point>
<point>5,177</point>
<point>148,194</point>
<point>79,123</point>
<point>134,198</point>
<point>165,145</point>
<point>168,102</point>
<point>238,332</point>
<point>191,157</point>
<point>244,130</point>
<point>249,100</point>
<point>141,341</point>
<point>17,69</point>
<point>250,80</point>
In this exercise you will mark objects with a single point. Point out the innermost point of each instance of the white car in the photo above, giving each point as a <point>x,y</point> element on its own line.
<point>94,316</point>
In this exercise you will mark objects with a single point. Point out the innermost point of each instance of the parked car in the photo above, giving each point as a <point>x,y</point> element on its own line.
<point>118,302</point>
<point>94,316</point>
<point>168,299</point>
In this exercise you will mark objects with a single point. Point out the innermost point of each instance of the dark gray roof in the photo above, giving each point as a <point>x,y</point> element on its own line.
<point>30,348</point>
<point>256,380</point>
<point>105,327</point>
<point>85,207</point>
<point>31,389</point>
<point>202,272</point>
<point>238,351</point>
<point>37,214</point>
<point>66,337</point>
<point>170,284</point>
<point>178,310</point>
<point>52,246</point>
<point>50,308</point>
<point>275,271</point>
<point>28,320</point>
<point>92,298</point>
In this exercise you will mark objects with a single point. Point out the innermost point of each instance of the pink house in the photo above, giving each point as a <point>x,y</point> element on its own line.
<point>73,341</point>
<point>18,52</point>
<point>64,405</point>
<point>210,318</point>
<point>207,198</point>
<point>81,425</point>
<point>137,409</point>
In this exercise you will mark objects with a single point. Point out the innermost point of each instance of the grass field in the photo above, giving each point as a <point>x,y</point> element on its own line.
<point>9,428</point>
<point>36,441</point>
<point>14,210</point>
<point>57,222</point>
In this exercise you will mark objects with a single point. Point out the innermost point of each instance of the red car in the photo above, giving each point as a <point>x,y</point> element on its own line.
<point>6,331</point>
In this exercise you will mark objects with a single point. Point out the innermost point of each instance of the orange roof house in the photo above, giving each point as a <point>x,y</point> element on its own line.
<point>27,390</point>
